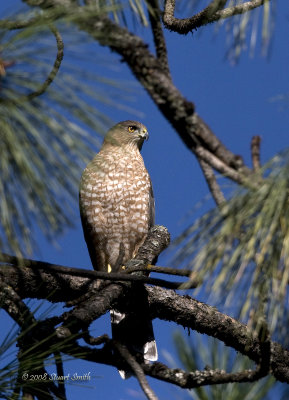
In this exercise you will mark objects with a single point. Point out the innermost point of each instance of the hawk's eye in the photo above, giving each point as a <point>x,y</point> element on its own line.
<point>131,129</point>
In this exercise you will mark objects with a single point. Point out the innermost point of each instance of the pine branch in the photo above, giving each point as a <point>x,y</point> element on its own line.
<point>163,304</point>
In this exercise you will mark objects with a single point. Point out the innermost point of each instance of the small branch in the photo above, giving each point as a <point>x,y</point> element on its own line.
<point>212,13</point>
<point>15,307</point>
<point>217,164</point>
<point>161,270</point>
<point>159,40</point>
<point>212,182</point>
<point>113,276</point>
<point>136,368</point>
<point>56,66</point>
<point>255,152</point>
<point>52,74</point>
<point>95,341</point>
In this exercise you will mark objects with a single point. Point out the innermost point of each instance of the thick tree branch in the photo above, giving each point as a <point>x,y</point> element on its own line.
<point>166,305</point>
<point>190,313</point>
<point>210,14</point>
<point>157,370</point>
<point>12,303</point>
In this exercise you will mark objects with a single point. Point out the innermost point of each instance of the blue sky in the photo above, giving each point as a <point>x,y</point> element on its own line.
<point>235,102</point>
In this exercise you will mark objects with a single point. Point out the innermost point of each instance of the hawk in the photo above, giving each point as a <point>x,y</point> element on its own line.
<point>117,210</point>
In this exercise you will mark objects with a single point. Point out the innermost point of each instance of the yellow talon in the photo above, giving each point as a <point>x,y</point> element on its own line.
<point>108,268</point>
<point>123,267</point>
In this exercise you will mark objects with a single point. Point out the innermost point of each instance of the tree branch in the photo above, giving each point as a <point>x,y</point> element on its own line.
<point>210,14</point>
<point>218,165</point>
<point>157,370</point>
<point>136,368</point>
<point>50,78</point>
<point>190,313</point>
<point>163,304</point>
<point>159,40</point>
<point>12,303</point>
<point>56,66</point>
<point>212,182</point>
<point>156,268</point>
<point>255,152</point>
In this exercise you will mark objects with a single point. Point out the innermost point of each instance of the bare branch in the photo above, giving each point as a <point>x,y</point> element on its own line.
<point>95,340</point>
<point>161,270</point>
<point>212,182</point>
<point>212,13</point>
<point>11,302</point>
<point>56,66</point>
<point>51,76</point>
<point>217,164</point>
<point>255,152</point>
<point>136,368</point>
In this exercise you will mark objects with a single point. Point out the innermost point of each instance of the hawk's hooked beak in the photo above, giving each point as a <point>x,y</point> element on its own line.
<point>144,134</point>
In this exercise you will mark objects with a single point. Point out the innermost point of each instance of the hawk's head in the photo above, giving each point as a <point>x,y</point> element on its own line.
<point>127,132</point>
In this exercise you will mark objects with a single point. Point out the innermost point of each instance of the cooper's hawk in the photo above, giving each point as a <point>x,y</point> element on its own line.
<point>117,211</point>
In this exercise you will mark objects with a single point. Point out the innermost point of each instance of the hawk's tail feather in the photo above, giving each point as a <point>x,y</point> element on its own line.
<point>150,351</point>
<point>136,334</point>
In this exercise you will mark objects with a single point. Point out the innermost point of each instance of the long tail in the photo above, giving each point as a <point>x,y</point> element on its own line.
<point>136,333</point>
